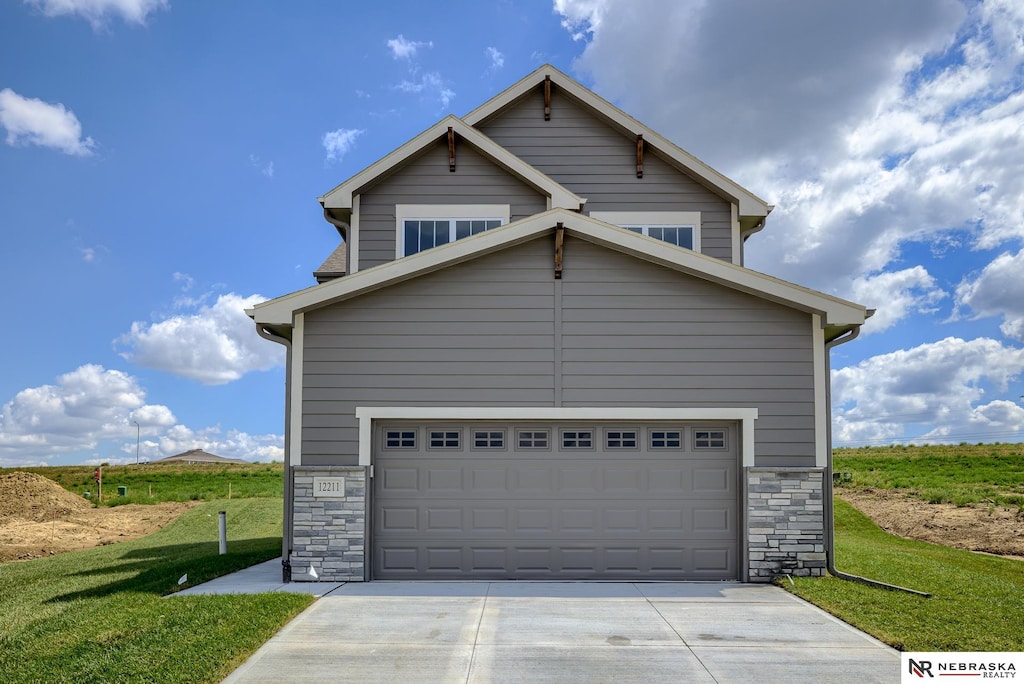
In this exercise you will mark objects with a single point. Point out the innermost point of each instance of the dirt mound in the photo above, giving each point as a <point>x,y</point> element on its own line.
<point>989,529</point>
<point>34,497</point>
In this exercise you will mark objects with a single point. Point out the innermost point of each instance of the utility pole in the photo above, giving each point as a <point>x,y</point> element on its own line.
<point>138,433</point>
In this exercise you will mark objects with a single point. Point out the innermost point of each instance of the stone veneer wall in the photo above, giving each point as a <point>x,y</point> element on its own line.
<point>329,533</point>
<point>785,522</point>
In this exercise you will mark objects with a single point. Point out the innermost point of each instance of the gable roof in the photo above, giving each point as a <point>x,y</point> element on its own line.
<point>752,209</point>
<point>561,197</point>
<point>836,313</point>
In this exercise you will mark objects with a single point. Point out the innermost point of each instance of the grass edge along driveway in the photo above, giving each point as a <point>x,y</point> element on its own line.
<point>99,615</point>
<point>976,602</point>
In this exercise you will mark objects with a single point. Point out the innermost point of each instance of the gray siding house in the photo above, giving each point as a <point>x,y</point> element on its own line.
<point>539,356</point>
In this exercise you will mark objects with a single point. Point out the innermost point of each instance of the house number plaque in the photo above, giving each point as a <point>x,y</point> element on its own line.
<point>329,487</point>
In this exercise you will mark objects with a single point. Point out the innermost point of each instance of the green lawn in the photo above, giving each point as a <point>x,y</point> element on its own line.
<point>153,483</point>
<point>977,602</point>
<point>958,474</point>
<point>99,615</point>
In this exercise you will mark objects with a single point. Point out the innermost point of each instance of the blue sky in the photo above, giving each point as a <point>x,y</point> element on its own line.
<point>161,163</point>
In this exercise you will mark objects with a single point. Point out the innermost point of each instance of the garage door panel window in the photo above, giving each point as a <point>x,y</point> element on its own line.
<point>400,439</point>
<point>488,439</point>
<point>533,439</point>
<point>445,439</point>
<point>666,439</point>
<point>709,439</point>
<point>621,439</point>
<point>577,439</point>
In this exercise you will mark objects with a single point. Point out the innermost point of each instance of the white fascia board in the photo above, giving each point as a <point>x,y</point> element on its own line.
<point>341,197</point>
<point>295,387</point>
<point>821,381</point>
<point>749,203</point>
<point>367,414</point>
<point>834,311</point>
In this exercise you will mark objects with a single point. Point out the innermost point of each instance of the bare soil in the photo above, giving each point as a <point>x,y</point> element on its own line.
<point>40,518</point>
<point>987,529</point>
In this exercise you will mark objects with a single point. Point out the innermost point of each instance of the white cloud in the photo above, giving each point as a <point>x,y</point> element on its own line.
<point>267,169</point>
<point>97,11</point>
<point>406,49</point>
<point>896,295</point>
<point>214,345</point>
<point>937,387</point>
<point>869,125</point>
<point>431,86</point>
<point>997,291</point>
<point>581,18</point>
<point>497,59</point>
<point>339,142</point>
<point>30,121</point>
<point>230,444</point>
<point>83,408</point>
<point>92,411</point>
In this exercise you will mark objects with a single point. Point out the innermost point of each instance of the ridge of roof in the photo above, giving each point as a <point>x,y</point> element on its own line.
<point>340,197</point>
<point>835,311</point>
<point>749,204</point>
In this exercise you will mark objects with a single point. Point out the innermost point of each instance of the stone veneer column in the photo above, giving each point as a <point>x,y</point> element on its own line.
<point>329,533</point>
<point>785,523</point>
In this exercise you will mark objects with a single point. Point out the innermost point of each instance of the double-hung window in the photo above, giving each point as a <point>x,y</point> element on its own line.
<point>680,228</point>
<point>423,226</point>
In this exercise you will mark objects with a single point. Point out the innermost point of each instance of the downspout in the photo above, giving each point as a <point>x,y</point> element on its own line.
<point>827,502</point>
<point>340,225</point>
<point>286,523</point>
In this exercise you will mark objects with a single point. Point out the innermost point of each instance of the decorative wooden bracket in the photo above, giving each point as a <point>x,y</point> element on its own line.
<point>640,155</point>
<point>547,98</point>
<point>451,149</point>
<point>559,245</point>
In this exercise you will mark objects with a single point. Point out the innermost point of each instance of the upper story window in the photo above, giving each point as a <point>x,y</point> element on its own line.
<point>680,228</point>
<point>422,226</point>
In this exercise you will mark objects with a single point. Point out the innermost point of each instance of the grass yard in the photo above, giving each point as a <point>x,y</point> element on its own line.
<point>977,602</point>
<point>154,483</point>
<point>958,474</point>
<point>99,615</point>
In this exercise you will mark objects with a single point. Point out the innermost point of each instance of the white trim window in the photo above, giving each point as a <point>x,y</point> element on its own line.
<point>680,228</point>
<point>423,226</point>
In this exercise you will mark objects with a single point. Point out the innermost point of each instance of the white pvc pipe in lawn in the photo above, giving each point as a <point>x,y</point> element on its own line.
<point>223,525</point>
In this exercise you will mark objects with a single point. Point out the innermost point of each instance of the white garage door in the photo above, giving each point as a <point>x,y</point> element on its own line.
<point>555,501</point>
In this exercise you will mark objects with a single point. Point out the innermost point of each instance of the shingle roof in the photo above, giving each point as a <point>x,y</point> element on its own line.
<point>333,266</point>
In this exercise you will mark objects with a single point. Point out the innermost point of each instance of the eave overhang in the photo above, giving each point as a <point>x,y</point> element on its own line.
<point>836,313</point>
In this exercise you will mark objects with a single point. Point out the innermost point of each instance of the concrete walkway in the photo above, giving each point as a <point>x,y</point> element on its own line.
<point>258,579</point>
<point>562,632</point>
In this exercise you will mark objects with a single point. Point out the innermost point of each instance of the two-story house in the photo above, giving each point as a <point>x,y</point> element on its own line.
<point>538,355</point>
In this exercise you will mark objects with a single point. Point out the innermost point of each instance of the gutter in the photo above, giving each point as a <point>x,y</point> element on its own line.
<point>342,227</point>
<point>827,502</point>
<point>286,526</point>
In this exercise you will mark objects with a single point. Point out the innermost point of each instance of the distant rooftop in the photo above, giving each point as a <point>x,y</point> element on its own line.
<point>198,456</point>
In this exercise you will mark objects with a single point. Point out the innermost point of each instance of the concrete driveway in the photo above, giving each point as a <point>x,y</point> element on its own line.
<point>567,632</point>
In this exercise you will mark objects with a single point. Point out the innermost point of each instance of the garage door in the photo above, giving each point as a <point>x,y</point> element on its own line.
<point>547,501</point>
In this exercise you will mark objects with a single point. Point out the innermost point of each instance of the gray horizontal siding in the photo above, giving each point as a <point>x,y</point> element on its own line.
<point>483,333</point>
<point>594,160</point>
<point>431,341</point>
<point>427,180</point>
<point>685,342</point>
